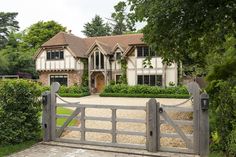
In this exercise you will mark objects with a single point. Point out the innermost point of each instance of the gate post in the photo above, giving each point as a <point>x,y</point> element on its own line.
<point>194,89</point>
<point>204,125</point>
<point>153,125</point>
<point>46,116</point>
<point>54,89</point>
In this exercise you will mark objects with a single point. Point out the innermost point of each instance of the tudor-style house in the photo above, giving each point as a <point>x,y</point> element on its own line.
<point>61,59</point>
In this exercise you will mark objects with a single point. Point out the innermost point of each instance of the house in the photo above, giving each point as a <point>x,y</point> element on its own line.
<point>62,59</point>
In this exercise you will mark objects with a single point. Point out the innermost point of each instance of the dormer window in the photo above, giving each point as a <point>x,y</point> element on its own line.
<point>118,55</point>
<point>55,55</point>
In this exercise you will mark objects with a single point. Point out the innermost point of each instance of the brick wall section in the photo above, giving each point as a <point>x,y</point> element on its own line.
<point>74,77</point>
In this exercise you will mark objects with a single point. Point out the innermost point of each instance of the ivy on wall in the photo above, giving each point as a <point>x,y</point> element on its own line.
<point>123,77</point>
<point>85,72</point>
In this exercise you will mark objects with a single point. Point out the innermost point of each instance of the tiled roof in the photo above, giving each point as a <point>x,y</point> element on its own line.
<point>80,46</point>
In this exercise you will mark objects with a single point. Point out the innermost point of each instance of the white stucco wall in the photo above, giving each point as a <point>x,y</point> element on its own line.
<point>171,74</point>
<point>135,67</point>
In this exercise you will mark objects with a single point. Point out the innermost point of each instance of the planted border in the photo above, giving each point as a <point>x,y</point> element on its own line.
<point>144,91</point>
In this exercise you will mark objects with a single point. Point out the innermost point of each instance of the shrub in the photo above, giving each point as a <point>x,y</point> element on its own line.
<point>223,116</point>
<point>19,111</point>
<point>72,91</point>
<point>145,91</point>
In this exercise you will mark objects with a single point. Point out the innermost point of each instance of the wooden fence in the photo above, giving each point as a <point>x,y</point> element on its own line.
<point>156,115</point>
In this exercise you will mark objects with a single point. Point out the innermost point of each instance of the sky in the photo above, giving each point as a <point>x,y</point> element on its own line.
<point>72,14</point>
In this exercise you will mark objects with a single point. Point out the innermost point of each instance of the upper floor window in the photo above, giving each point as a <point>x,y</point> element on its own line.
<point>55,55</point>
<point>97,60</point>
<point>118,55</point>
<point>144,51</point>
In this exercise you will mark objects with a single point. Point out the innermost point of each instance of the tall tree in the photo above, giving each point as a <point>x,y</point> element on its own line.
<point>17,55</point>
<point>40,32</point>
<point>96,27</point>
<point>186,30</point>
<point>122,21</point>
<point>7,25</point>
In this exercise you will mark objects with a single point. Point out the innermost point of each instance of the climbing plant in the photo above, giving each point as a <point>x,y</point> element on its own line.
<point>85,72</point>
<point>123,77</point>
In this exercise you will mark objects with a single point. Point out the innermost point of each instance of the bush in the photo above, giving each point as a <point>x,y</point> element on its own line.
<point>72,91</point>
<point>19,111</point>
<point>180,96</point>
<point>223,116</point>
<point>145,91</point>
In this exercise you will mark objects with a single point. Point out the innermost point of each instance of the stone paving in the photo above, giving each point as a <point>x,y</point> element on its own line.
<point>41,150</point>
<point>54,149</point>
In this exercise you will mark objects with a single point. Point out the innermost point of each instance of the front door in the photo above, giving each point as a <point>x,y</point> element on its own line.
<point>100,82</point>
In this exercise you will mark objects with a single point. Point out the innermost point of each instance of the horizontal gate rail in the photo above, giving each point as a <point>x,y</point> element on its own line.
<point>179,122</point>
<point>178,109</point>
<point>102,106</point>
<point>121,145</point>
<point>175,135</point>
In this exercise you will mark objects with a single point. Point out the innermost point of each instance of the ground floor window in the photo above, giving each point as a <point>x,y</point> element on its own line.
<point>62,79</point>
<point>118,78</point>
<point>151,80</point>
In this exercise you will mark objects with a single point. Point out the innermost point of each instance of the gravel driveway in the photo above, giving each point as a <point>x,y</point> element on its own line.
<point>121,126</point>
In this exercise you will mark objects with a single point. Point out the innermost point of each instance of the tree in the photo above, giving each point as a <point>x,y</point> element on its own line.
<point>123,22</point>
<point>7,25</point>
<point>17,55</point>
<point>96,27</point>
<point>186,30</point>
<point>40,32</point>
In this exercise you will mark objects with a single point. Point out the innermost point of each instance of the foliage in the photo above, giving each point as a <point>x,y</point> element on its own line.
<point>145,91</point>
<point>123,77</point>
<point>41,32</point>
<point>186,30</point>
<point>19,111</point>
<point>222,115</point>
<point>177,96</point>
<point>17,55</point>
<point>96,27</point>
<point>71,91</point>
<point>122,20</point>
<point>8,24</point>
<point>85,72</point>
<point>222,90</point>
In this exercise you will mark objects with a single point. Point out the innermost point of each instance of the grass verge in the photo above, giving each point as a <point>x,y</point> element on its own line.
<point>10,149</point>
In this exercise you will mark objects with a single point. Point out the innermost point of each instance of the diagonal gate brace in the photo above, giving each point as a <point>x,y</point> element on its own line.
<point>177,129</point>
<point>75,113</point>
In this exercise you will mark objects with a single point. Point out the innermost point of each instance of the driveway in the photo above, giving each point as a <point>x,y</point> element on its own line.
<point>96,99</point>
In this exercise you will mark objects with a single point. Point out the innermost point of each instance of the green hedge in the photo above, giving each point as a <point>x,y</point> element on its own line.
<point>182,96</point>
<point>73,94</point>
<point>122,90</point>
<point>19,111</point>
<point>71,91</point>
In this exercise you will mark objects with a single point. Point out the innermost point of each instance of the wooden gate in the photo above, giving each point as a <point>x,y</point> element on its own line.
<point>156,115</point>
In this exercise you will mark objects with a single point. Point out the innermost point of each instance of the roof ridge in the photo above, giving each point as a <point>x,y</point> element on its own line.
<point>107,36</point>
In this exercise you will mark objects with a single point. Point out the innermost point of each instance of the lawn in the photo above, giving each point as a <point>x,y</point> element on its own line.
<point>10,149</point>
<point>65,111</point>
